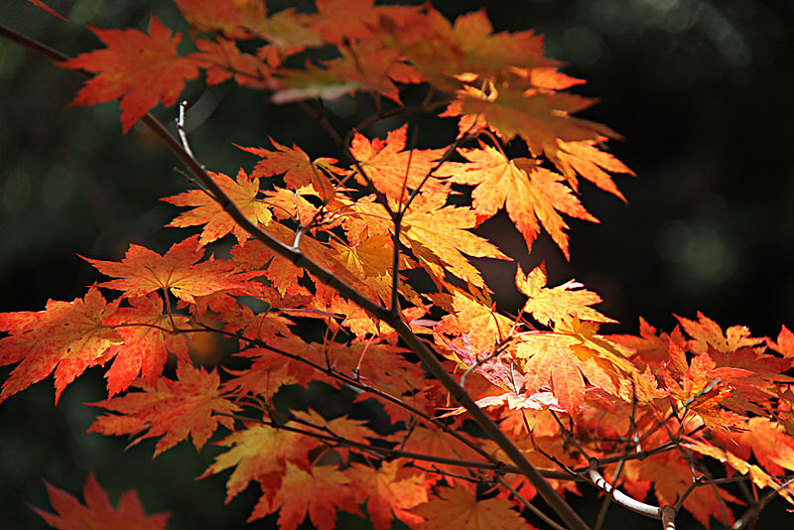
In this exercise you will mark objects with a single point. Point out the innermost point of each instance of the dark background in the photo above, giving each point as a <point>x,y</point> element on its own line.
<point>701,90</point>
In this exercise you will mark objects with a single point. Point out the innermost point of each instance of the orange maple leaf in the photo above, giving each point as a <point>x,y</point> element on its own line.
<point>319,492</point>
<point>557,304</point>
<point>206,210</point>
<point>138,68</point>
<point>337,20</point>
<point>532,195</point>
<point>549,358</point>
<point>299,170</point>
<point>392,169</point>
<point>566,356</point>
<point>707,333</point>
<point>671,475</point>
<point>759,476</point>
<point>97,512</point>
<point>444,52</point>
<point>172,409</point>
<point>472,314</point>
<point>459,508</point>
<point>589,161</point>
<point>785,343</point>
<point>391,491</point>
<point>143,327</point>
<point>67,337</point>
<point>541,118</point>
<point>222,60</point>
<point>438,235</point>
<point>143,271</point>
<point>259,453</point>
<point>769,442</point>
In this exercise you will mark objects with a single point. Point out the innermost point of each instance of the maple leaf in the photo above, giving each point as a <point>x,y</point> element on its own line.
<point>143,271</point>
<point>438,443</point>
<point>138,68</point>
<point>364,65</point>
<point>459,508</point>
<point>704,388</point>
<point>768,441</point>
<point>222,60</point>
<point>299,170</point>
<point>391,491</point>
<point>532,195</point>
<point>439,235</point>
<point>587,160</point>
<point>540,118</point>
<point>391,169</point>
<point>97,512</point>
<point>474,315</point>
<point>549,358</point>
<point>257,453</point>
<point>143,328</point>
<point>217,222</point>
<point>443,52</point>
<point>319,492</point>
<point>567,355</point>
<point>337,20</point>
<point>189,406</point>
<point>226,17</point>
<point>785,343</point>
<point>67,337</point>
<point>559,303</point>
<point>344,427</point>
<point>706,332</point>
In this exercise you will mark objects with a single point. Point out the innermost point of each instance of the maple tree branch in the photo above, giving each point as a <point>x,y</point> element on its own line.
<point>668,517</point>
<point>297,258</point>
<point>595,478</point>
<point>384,452</point>
<point>180,128</point>
<point>356,383</point>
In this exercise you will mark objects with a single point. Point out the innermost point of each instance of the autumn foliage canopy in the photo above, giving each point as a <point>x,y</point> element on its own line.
<point>354,268</point>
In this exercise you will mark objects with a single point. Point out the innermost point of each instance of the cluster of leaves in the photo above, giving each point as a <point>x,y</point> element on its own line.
<point>375,252</point>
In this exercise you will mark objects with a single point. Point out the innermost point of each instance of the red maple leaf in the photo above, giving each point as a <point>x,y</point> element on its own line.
<point>67,337</point>
<point>143,271</point>
<point>319,492</point>
<point>174,410</point>
<point>390,491</point>
<point>138,68</point>
<point>97,512</point>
